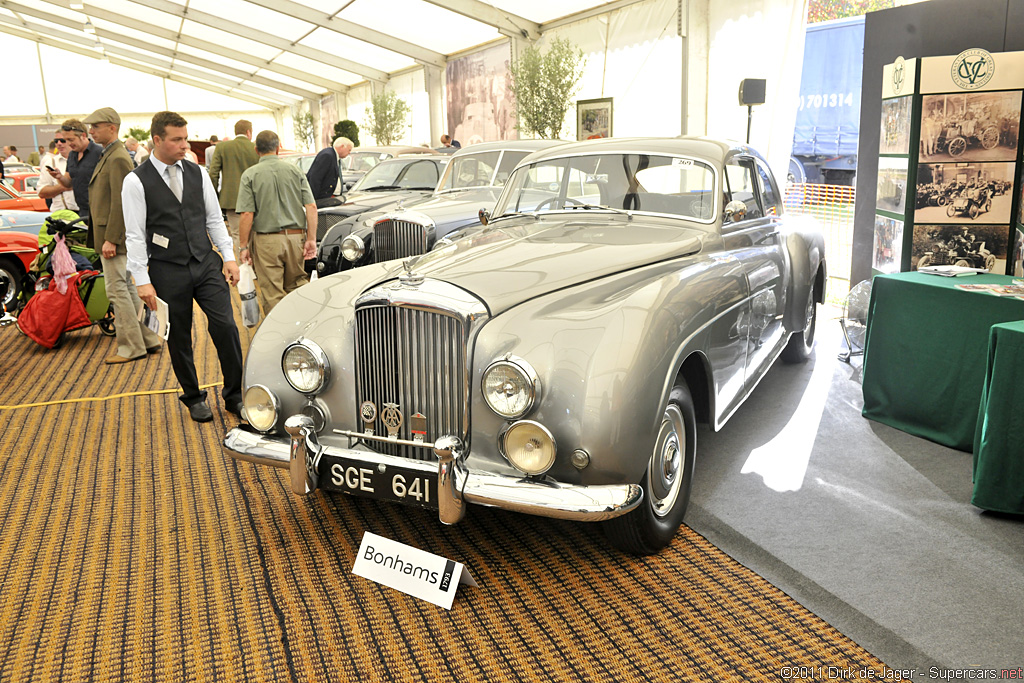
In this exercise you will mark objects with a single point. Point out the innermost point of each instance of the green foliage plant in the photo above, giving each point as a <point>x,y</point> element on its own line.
<point>386,119</point>
<point>826,10</point>
<point>347,129</point>
<point>140,134</point>
<point>543,86</point>
<point>304,130</point>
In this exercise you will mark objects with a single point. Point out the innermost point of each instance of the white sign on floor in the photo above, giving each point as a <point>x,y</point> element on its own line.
<point>421,574</point>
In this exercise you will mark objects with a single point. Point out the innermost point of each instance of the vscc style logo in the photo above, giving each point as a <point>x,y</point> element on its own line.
<point>973,68</point>
<point>898,75</point>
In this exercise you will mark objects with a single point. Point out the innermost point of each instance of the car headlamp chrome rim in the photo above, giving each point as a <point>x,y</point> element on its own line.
<point>261,407</point>
<point>353,248</point>
<point>305,366</point>
<point>529,446</point>
<point>510,387</point>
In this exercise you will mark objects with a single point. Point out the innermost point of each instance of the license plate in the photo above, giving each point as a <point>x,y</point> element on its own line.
<point>396,484</point>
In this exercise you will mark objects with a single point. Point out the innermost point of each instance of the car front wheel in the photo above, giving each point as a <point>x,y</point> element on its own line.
<point>800,343</point>
<point>666,482</point>
<point>12,271</point>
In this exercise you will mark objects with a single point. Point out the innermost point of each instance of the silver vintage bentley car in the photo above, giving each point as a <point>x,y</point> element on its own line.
<point>555,361</point>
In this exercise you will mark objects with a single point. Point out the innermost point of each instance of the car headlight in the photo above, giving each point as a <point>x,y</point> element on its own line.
<point>353,248</point>
<point>510,387</point>
<point>305,367</point>
<point>529,446</point>
<point>261,407</point>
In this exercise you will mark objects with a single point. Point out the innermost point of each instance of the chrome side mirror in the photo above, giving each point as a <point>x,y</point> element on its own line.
<point>484,215</point>
<point>735,211</point>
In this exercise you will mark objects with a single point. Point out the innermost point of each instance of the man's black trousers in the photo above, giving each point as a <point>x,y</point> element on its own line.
<point>204,282</point>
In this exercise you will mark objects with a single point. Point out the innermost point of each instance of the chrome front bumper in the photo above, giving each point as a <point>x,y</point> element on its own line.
<point>456,485</point>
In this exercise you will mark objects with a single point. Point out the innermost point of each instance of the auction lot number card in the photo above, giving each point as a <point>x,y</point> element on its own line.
<point>420,574</point>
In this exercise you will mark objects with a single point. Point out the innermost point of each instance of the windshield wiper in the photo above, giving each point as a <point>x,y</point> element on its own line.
<point>382,187</point>
<point>595,206</point>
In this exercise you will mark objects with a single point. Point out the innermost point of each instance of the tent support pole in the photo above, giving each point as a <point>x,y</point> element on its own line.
<point>42,80</point>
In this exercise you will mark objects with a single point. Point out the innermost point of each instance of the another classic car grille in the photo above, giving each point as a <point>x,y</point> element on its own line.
<point>324,222</point>
<point>417,360</point>
<point>393,239</point>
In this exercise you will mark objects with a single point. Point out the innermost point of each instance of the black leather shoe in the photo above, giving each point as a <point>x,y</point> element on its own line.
<point>200,412</point>
<point>234,407</point>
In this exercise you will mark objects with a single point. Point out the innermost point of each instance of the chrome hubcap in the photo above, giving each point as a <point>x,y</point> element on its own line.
<point>809,319</point>
<point>664,473</point>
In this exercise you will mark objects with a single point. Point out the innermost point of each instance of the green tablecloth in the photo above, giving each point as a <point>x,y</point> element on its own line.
<point>999,439</point>
<point>926,350</point>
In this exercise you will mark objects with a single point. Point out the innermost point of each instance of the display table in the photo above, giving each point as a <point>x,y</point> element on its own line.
<point>999,439</point>
<point>926,350</point>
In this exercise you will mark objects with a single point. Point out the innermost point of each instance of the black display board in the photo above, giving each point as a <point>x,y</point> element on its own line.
<point>947,189</point>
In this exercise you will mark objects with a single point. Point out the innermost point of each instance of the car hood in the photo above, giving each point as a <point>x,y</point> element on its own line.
<point>507,264</point>
<point>361,202</point>
<point>460,205</point>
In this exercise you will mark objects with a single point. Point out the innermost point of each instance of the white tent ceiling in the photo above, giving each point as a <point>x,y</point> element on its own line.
<point>267,53</point>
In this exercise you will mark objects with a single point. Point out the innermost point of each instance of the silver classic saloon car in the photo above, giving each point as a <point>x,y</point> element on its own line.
<point>554,361</point>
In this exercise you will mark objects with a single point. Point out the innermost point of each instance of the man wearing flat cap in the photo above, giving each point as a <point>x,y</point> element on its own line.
<point>133,338</point>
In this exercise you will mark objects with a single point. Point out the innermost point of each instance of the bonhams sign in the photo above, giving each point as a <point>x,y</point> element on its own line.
<point>421,574</point>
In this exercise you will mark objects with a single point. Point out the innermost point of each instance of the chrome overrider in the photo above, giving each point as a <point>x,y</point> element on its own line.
<point>456,485</point>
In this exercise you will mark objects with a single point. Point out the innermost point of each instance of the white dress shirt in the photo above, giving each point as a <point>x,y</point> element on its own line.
<point>64,200</point>
<point>133,203</point>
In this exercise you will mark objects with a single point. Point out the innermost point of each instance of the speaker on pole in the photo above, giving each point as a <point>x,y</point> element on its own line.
<point>751,93</point>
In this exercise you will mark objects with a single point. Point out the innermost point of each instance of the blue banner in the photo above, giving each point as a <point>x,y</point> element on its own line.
<point>828,114</point>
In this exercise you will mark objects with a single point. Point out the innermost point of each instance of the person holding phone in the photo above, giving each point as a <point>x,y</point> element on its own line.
<point>56,164</point>
<point>83,156</point>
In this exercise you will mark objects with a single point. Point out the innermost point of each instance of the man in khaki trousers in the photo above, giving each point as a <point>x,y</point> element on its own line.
<point>277,230</point>
<point>108,234</point>
<point>232,158</point>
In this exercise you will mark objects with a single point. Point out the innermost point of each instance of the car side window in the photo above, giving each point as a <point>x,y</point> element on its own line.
<point>739,176</point>
<point>769,193</point>
<point>420,174</point>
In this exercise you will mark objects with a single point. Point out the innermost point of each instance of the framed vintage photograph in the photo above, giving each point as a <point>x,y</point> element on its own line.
<point>964,193</point>
<point>980,126</point>
<point>594,118</point>
<point>892,184</point>
<point>888,245</point>
<point>895,134</point>
<point>975,246</point>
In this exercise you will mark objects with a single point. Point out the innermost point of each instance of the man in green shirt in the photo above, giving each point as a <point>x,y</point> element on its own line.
<point>277,230</point>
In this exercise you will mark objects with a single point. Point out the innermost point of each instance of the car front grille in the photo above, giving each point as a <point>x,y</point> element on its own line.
<point>324,222</point>
<point>394,239</point>
<point>415,359</point>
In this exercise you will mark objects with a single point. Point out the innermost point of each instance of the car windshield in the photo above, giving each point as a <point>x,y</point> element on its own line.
<point>483,169</point>
<point>361,162</point>
<point>643,183</point>
<point>401,174</point>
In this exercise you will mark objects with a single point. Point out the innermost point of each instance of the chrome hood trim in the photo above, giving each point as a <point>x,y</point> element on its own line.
<point>538,257</point>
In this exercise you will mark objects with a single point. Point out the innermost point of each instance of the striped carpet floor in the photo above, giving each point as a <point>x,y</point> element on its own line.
<point>132,549</point>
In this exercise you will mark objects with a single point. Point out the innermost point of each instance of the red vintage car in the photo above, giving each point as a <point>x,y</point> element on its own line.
<point>17,251</point>
<point>23,182</point>
<point>9,199</point>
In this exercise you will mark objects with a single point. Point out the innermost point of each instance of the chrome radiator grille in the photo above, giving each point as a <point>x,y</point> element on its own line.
<point>417,360</point>
<point>394,239</point>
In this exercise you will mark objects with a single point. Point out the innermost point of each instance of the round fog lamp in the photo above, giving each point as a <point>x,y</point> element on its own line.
<point>510,387</point>
<point>530,447</point>
<point>305,367</point>
<point>261,407</point>
<point>352,248</point>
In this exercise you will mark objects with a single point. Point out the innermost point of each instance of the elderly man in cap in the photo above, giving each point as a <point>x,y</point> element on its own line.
<point>108,236</point>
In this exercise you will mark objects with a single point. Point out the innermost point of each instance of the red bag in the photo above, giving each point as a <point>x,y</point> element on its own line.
<point>50,313</point>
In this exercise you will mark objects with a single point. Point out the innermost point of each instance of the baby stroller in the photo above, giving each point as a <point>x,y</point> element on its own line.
<point>45,326</point>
